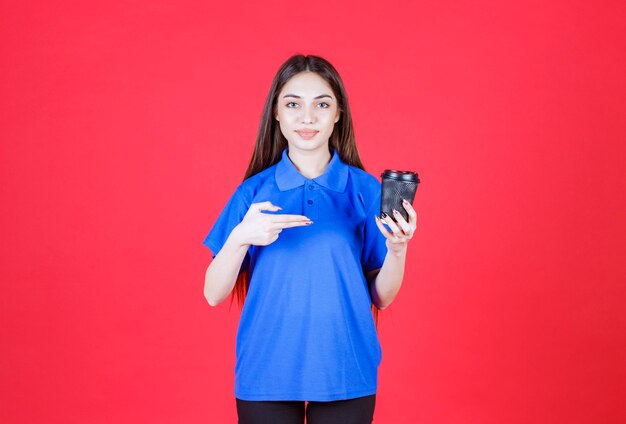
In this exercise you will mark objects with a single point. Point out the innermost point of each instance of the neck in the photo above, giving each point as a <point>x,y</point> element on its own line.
<point>310,164</point>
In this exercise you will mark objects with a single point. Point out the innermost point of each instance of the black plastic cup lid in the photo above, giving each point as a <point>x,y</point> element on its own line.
<point>408,176</point>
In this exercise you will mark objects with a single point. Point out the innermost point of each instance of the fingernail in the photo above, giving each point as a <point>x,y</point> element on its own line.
<point>405,201</point>
<point>309,223</point>
<point>278,207</point>
<point>384,215</point>
<point>396,212</point>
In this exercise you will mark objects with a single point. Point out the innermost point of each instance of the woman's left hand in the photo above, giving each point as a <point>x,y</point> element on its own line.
<point>402,232</point>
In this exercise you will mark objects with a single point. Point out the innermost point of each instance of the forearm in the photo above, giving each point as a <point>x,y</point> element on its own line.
<point>387,283</point>
<point>221,275</point>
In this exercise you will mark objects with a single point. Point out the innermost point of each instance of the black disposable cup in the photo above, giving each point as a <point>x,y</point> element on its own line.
<point>397,185</point>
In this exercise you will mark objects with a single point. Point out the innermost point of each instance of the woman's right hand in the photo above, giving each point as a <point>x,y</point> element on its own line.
<point>260,229</point>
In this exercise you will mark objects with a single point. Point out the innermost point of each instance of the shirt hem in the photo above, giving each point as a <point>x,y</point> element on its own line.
<point>308,396</point>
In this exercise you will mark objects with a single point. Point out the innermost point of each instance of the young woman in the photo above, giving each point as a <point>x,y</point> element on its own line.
<point>301,242</point>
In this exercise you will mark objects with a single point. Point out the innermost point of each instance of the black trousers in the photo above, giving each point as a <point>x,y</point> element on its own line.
<point>349,411</point>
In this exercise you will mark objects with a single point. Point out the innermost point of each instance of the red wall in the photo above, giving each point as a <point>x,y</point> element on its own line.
<point>126,126</point>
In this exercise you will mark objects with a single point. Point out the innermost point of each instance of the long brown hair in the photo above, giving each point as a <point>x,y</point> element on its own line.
<point>270,141</point>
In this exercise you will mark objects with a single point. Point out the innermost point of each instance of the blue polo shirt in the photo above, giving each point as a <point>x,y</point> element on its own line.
<point>306,330</point>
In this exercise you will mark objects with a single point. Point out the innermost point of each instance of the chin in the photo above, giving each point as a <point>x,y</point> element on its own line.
<point>308,144</point>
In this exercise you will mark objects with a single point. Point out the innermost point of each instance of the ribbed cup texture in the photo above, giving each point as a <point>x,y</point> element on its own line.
<point>393,191</point>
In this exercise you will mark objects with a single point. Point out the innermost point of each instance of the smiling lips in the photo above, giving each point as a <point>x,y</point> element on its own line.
<point>307,134</point>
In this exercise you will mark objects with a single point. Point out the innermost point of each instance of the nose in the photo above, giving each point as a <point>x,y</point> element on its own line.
<point>307,115</point>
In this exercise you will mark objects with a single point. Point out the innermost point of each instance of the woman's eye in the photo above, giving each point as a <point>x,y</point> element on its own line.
<point>323,105</point>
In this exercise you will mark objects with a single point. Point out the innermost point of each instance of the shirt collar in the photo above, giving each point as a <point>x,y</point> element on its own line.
<point>335,175</point>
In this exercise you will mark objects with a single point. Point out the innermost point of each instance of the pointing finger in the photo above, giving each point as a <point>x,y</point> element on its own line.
<point>288,218</point>
<point>294,224</point>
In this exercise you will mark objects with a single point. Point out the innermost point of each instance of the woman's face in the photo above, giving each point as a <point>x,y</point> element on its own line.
<point>306,109</point>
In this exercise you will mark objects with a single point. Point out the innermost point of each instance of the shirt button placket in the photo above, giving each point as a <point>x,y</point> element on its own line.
<point>310,203</point>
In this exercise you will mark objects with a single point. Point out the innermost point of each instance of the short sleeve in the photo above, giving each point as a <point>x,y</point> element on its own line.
<point>374,242</point>
<point>229,218</point>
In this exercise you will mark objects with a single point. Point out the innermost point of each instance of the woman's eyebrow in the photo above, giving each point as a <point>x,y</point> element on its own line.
<point>318,97</point>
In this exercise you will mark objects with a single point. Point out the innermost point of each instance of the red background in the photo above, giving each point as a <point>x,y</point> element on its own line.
<point>126,126</point>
